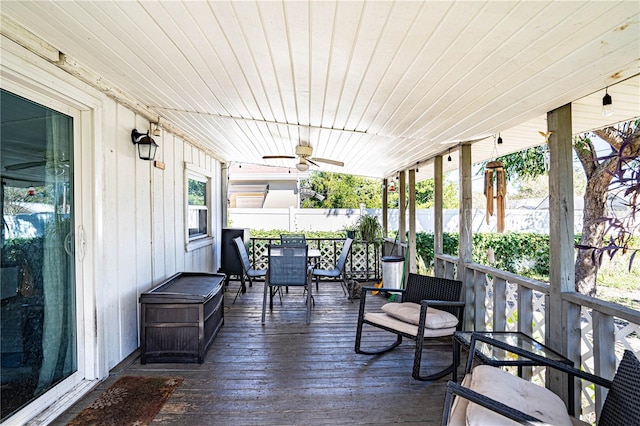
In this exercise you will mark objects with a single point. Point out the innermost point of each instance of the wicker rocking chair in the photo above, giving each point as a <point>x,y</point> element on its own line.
<point>430,308</point>
<point>471,399</point>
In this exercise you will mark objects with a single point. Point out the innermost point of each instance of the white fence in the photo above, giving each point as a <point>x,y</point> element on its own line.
<point>300,220</point>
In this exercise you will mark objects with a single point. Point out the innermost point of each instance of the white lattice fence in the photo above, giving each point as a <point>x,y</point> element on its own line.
<point>626,336</point>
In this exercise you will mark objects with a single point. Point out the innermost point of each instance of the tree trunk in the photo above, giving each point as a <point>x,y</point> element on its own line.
<point>599,174</point>
<point>595,199</point>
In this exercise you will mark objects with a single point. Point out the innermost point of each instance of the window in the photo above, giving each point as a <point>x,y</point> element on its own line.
<point>198,211</point>
<point>198,207</point>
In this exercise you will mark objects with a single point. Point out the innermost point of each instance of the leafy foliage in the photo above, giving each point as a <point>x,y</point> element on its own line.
<point>370,229</point>
<point>526,164</point>
<point>197,192</point>
<point>526,254</point>
<point>343,191</point>
<point>425,195</point>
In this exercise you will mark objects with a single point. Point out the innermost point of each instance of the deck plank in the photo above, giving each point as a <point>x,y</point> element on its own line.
<point>290,373</point>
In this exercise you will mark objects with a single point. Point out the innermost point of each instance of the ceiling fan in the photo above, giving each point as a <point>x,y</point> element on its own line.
<point>304,152</point>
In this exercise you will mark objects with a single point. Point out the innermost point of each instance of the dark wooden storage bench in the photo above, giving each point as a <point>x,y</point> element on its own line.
<point>181,317</point>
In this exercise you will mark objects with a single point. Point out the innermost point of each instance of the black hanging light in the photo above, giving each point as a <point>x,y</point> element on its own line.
<point>607,104</point>
<point>147,147</point>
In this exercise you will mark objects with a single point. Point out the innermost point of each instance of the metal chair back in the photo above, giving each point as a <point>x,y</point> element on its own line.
<point>343,254</point>
<point>293,239</point>
<point>287,265</point>
<point>242,252</point>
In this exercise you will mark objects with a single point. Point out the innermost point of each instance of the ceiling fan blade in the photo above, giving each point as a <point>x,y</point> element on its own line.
<point>311,162</point>
<point>328,161</point>
<point>275,157</point>
<point>21,166</point>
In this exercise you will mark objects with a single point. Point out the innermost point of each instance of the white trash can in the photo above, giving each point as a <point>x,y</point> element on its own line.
<point>392,267</point>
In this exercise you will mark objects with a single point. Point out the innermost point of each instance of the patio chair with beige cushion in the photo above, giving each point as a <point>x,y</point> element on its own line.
<point>491,396</point>
<point>428,308</point>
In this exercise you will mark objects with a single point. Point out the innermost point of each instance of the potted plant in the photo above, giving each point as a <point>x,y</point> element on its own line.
<point>351,230</point>
<point>370,229</point>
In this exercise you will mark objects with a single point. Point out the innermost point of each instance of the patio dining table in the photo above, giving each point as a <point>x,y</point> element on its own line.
<point>313,255</point>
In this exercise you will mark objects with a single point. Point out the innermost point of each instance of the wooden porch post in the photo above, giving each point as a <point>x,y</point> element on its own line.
<point>561,242</point>
<point>402,202</point>
<point>385,208</point>
<point>411,256</point>
<point>438,242</point>
<point>224,194</point>
<point>465,245</point>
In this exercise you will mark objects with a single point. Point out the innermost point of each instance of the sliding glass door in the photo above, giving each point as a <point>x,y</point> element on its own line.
<point>38,300</point>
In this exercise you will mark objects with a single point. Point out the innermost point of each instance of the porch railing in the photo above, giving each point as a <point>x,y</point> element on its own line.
<point>363,262</point>
<point>507,302</point>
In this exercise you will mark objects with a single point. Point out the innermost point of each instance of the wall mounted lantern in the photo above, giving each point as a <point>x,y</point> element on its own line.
<point>146,145</point>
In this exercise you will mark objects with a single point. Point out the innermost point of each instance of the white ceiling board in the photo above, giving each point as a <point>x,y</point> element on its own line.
<point>378,85</point>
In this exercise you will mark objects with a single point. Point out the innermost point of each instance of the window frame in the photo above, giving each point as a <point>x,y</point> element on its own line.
<point>196,241</point>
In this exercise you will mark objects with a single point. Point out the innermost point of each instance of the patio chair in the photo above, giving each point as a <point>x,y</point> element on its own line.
<point>416,316</point>
<point>338,270</point>
<point>488,394</point>
<point>246,267</point>
<point>293,239</point>
<point>287,268</point>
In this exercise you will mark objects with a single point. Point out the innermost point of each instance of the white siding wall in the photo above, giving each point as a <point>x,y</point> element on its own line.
<point>135,226</point>
<point>144,223</point>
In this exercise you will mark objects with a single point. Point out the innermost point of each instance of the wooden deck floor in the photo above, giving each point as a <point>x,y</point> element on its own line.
<point>290,373</point>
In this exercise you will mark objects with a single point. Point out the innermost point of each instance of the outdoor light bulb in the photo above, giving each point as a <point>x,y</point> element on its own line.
<point>607,105</point>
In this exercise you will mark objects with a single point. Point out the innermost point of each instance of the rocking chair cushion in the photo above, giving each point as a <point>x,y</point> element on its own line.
<point>535,400</point>
<point>388,321</point>
<point>410,312</point>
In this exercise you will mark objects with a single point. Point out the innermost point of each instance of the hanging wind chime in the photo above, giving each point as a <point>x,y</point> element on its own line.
<point>495,168</point>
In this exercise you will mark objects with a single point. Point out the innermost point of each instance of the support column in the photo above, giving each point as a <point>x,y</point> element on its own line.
<point>438,213</point>
<point>224,193</point>
<point>411,255</point>
<point>402,202</point>
<point>465,244</point>
<point>385,208</point>
<point>561,236</point>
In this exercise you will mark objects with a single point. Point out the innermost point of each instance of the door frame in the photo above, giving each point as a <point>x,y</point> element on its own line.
<point>33,78</point>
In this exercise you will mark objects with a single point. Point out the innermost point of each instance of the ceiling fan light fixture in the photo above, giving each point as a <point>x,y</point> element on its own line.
<point>302,166</point>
